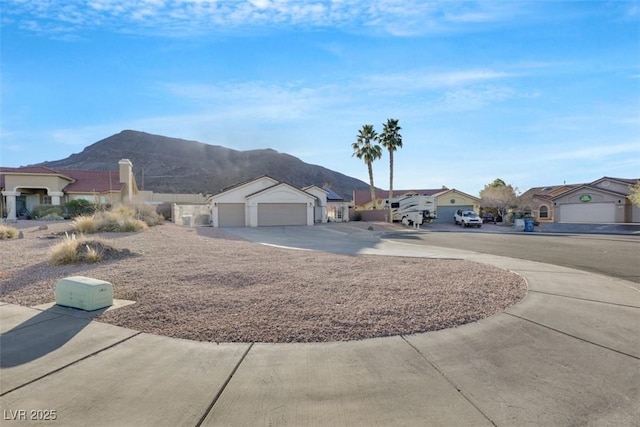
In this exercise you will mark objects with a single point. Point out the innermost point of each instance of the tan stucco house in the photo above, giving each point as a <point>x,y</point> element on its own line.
<point>601,201</point>
<point>24,188</point>
<point>265,201</point>
<point>538,201</point>
<point>449,201</point>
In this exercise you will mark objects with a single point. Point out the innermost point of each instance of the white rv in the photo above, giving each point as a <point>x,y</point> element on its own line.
<point>412,209</point>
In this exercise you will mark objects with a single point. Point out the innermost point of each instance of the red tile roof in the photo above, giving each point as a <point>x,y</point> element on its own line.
<point>82,181</point>
<point>93,181</point>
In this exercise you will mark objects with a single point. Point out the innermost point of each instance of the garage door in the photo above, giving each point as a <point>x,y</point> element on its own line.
<point>588,212</point>
<point>282,214</point>
<point>445,213</point>
<point>231,215</point>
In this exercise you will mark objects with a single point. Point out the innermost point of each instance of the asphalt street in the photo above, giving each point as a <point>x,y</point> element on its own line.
<point>611,255</point>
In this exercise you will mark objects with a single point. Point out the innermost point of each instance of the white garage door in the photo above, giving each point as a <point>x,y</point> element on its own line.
<point>231,215</point>
<point>588,212</point>
<point>282,214</point>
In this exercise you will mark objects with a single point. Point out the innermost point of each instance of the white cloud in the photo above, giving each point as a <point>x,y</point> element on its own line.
<point>423,80</point>
<point>183,17</point>
<point>466,99</point>
<point>259,101</point>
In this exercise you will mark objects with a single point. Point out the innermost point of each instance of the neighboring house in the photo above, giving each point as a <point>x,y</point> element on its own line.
<point>538,201</point>
<point>320,208</point>
<point>362,198</point>
<point>26,187</point>
<point>449,201</point>
<point>337,207</point>
<point>265,201</point>
<point>601,201</point>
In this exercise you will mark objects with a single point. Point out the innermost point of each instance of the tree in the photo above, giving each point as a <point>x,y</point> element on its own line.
<point>635,193</point>
<point>500,196</point>
<point>365,148</point>
<point>391,139</point>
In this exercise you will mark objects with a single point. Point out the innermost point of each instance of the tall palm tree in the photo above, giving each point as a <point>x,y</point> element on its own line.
<point>365,148</point>
<point>391,140</point>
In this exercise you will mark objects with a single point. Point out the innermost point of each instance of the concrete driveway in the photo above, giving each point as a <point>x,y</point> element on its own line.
<point>568,354</point>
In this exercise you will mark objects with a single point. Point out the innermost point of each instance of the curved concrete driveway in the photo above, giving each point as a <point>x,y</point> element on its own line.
<point>568,354</point>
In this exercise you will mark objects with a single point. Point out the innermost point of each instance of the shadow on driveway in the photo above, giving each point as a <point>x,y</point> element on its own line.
<point>31,339</point>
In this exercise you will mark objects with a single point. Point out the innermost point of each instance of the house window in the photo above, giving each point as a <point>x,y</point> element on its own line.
<point>339,213</point>
<point>544,212</point>
<point>46,200</point>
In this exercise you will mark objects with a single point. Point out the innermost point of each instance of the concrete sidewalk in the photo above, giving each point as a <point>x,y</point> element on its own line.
<point>568,354</point>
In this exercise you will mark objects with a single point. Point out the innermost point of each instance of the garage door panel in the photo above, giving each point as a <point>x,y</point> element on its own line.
<point>282,214</point>
<point>588,213</point>
<point>231,215</point>
<point>445,213</point>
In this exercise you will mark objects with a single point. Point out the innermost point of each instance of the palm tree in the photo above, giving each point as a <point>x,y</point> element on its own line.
<point>365,148</point>
<point>391,140</point>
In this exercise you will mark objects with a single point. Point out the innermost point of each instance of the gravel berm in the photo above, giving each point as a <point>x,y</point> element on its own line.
<point>214,286</point>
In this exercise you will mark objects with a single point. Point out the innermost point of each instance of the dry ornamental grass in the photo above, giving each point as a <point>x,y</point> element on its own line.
<point>209,285</point>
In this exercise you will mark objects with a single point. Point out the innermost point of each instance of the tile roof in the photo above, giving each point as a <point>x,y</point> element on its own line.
<point>31,169</point>
<point>453,190</point>
<point>82,181</point>
<point>239,184</point>
<point>94,181</point>
<point>550,191</point>
<point>281,184</point>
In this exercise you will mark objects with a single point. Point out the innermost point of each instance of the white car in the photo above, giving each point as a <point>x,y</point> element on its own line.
<point>467,219</point>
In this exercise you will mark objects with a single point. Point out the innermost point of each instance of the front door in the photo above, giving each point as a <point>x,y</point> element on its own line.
<point>21,207</point>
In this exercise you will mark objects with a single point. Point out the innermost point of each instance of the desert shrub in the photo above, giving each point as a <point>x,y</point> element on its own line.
<point>164,210</point>
<point>80,207</point>
<point>85,224</point>
<point>47,211</point>
<point>92,254</point>
<point>148,214</point>
<point>122,218</point>
<point>124,210</point>
<point>51,217</point>
<point>65,252</point>
<point>7,232</point>
<point>79,249</point>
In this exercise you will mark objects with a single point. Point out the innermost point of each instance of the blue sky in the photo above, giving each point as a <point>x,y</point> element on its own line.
<point>535,93</point>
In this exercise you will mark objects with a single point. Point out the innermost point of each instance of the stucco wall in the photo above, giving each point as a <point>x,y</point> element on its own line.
<point>590,197</point>
<point>52,183</point>
<point>188,198</point>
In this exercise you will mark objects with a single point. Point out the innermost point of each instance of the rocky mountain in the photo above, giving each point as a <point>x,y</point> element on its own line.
<point>172,165</point>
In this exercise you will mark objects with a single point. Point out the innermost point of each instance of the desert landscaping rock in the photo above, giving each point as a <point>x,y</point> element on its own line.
<point>212,286</point>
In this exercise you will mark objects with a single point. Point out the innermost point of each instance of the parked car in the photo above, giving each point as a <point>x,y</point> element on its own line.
<point>489,217</point>
<point>467,219</point>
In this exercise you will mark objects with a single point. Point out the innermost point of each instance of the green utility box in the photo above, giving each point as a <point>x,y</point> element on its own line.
<point>84,293</point>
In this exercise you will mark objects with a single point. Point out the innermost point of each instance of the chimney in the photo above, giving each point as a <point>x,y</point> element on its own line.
<point>126,178</point>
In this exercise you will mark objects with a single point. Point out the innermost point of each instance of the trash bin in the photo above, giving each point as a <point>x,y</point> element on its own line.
<point>528,224</point>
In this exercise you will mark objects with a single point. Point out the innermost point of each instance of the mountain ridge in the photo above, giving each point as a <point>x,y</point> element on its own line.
<point>172,165</point>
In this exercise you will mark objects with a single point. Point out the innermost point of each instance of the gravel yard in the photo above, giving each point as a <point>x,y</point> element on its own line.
<point>209,285</point>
